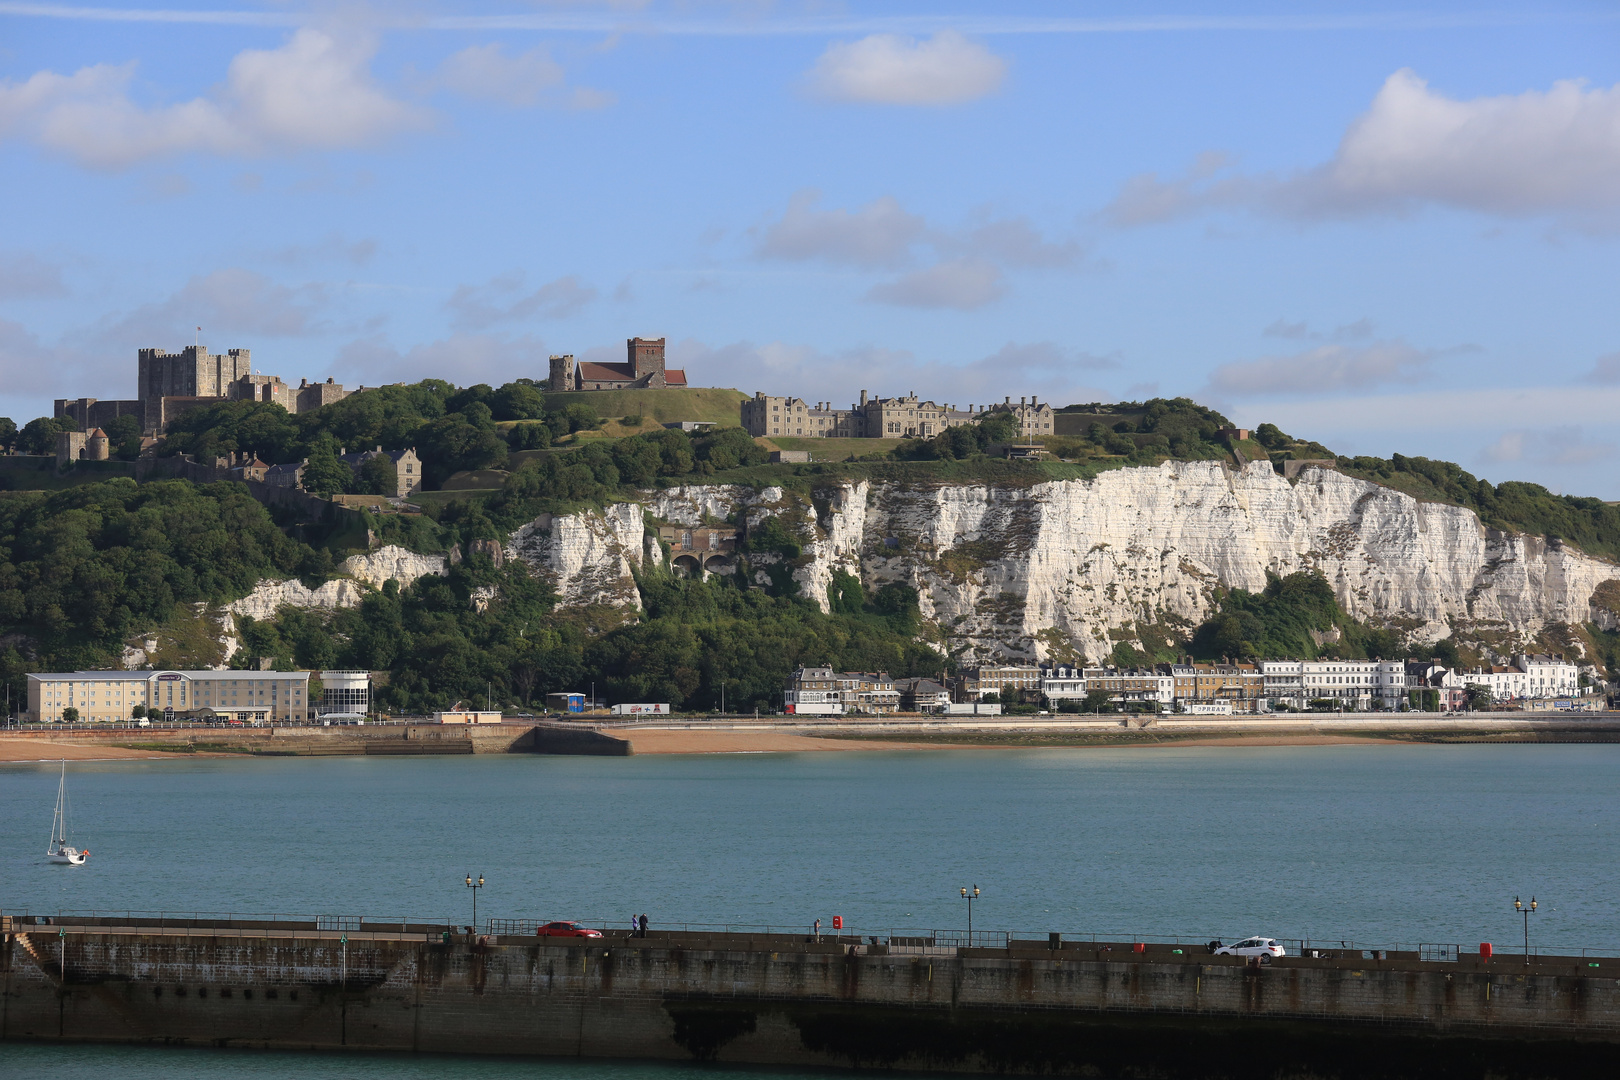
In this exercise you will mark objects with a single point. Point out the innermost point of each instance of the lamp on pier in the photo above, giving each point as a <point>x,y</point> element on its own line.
<point>475,888</point>
<point>970,897</point>
<point>1525,910</point>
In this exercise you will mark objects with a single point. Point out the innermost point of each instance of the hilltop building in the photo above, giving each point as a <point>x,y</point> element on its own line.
<point>643,370</point>
<point>169,384</point>
<point>879,417</point>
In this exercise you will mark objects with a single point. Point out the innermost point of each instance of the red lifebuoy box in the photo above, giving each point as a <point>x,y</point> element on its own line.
<point>1139,947</point>
<point>1484,950</point>
<point>838,922</point>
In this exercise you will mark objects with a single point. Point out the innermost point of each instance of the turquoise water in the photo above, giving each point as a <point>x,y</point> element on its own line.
<point>1377,843</point>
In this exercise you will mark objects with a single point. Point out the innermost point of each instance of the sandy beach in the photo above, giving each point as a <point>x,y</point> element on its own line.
<point>14,749</point>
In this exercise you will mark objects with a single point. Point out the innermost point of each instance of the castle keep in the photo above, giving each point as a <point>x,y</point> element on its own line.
<point>169,384</point>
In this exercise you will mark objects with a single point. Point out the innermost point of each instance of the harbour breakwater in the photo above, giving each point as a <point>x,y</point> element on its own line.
<point>882,1001</point>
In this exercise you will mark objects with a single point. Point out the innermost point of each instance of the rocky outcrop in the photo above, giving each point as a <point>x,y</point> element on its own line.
<point>393,562</point>
<point>587,556</point>
<point>265,600</point>
<point>1077,565</point>
<point>369,570</point>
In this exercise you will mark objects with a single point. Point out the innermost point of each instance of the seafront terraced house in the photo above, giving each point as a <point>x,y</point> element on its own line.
<point>110,697</point>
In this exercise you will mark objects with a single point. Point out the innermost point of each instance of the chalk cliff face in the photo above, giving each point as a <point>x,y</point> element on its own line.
<point>1045,569</point>
<point>372,568</point>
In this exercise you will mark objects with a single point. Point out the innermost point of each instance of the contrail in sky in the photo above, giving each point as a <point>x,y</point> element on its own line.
<point>557,22</point>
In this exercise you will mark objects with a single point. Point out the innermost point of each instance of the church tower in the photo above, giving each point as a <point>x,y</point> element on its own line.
<point>562,373</point>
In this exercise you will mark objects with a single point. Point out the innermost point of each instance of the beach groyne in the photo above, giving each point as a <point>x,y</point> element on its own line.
<point>1031,1007</point>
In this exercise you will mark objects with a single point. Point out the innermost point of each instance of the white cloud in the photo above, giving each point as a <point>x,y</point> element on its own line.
<point>1606,372</point>
<point>966,273</point>
<point>461,358</point>
<point>23,273</point>
<point>232,306</point>
<point>1567,445</point>
<point>479,306</point>
<point>1551,152</point>
<point>314,92</point>
<point>1534,152</point>
<point>486,72</point>
<point>879,234</point>
<point>1042,369</point>
<point>330,248</point>
<point>1326,369</point>
<point>963,284</point>
<point>889,69</point>
<point>1015,242</point>
<point>37,372</point>
<point>1352,331</point>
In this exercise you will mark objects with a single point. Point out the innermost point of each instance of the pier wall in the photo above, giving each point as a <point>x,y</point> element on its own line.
<point>795,1002</point>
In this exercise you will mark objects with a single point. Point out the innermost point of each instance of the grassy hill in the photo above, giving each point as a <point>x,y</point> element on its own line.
<point>831,449</point>
<point>665,406</point>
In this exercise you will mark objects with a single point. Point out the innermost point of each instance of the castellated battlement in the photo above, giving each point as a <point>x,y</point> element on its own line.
<point>168,384</point>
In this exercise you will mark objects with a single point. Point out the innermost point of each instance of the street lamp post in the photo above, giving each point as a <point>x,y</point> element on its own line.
<point>1525,910</point>
<point>475,887</point>
<point>970,897</point>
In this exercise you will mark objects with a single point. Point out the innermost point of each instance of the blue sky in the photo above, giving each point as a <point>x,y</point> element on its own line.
<point>1389,230</point>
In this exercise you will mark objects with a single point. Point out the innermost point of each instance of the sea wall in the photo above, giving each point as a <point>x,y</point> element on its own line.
<point>1068,568</point>
<point>780,1000</point>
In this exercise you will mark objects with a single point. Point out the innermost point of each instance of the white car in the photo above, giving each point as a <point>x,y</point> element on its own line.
<point>1263,947</point>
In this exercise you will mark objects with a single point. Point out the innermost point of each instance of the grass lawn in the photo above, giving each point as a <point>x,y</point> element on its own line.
<point>659,406</point>
<point>831,449</point>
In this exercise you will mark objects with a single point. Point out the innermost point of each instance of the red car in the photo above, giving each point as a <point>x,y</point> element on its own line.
<point>566,929</point>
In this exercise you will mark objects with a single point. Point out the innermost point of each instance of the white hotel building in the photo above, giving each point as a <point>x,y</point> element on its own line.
<point>1354,683</point>
<point>110,697</point>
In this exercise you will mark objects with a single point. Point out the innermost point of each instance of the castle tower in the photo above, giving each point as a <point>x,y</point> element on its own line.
<point>562,373</point>
<point>96,445</point>
<point>646,357</point>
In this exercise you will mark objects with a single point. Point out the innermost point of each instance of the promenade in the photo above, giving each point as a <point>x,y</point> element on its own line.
<point>608,736</point>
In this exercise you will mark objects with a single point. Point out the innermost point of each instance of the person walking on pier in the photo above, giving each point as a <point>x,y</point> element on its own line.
<point>644,924</point>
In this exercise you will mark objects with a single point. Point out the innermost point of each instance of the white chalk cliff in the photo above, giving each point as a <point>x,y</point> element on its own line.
<point>1028,571</point>
<point>370,569</point>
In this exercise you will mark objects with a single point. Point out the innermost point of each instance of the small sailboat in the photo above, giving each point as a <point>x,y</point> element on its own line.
<point>60,851</point>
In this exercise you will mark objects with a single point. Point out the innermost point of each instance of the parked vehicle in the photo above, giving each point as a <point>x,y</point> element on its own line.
<point>566,929</point>
<point>1263,947</point>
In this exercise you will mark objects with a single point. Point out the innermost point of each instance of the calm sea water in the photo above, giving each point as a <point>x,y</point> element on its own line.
<point>1377,843</point>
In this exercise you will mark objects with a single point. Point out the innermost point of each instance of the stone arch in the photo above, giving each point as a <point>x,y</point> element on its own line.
<point>719,564</point>
<point>687,566</point>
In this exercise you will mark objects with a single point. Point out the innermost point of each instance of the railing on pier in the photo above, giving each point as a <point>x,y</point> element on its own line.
<point>899,938</point>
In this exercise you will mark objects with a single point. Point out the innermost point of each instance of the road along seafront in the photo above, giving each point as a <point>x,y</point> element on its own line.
<point>742,734</point>
<point>896,1000</point>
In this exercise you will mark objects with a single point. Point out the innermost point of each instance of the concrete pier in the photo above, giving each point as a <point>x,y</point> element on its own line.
<point>1077,1009</point>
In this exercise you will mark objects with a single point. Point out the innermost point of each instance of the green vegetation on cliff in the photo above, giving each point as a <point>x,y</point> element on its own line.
<point>82,569</point>
<point>448,639</point>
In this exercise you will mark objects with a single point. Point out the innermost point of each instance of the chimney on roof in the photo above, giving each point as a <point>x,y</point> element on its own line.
<point>863,399</point>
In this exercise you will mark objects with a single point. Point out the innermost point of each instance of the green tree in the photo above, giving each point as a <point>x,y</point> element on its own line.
<point>70,715</point>
<point>378,476</point>
<point>124,437</point>
<point>460,441</point>
<point>528,437</point>
<point>325,474</point>
<point>38,436</point>
<point>1097,701</point>
<point>518,401</point>
<point>8,433</point>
